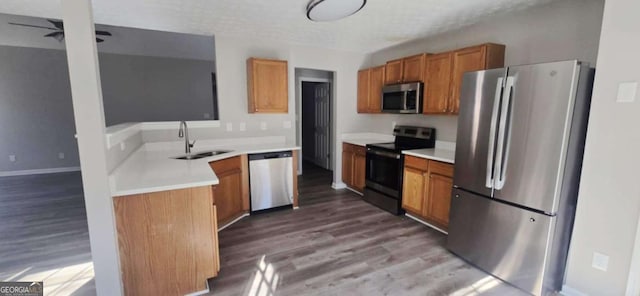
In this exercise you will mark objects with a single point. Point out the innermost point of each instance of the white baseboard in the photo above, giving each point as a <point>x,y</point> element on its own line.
<point>426,223</point>
<point>338,185</point>
<point>39,171</point>
<point>568,291</point>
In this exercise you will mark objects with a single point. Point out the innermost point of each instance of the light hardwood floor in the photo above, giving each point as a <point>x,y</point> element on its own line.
<point>336,244</point>
<point>44,235</point>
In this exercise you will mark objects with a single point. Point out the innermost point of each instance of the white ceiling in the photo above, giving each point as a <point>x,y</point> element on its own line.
<point>381,23</point>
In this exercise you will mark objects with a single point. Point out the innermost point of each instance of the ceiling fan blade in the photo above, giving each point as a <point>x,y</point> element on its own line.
<point>33,26</point>
<point>57,24</point>
<point>99,40</point>
<point>103,33</point>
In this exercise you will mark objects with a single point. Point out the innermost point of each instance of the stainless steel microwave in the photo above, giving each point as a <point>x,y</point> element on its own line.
<point>403,98</point>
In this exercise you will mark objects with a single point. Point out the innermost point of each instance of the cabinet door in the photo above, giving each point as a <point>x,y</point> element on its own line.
<point>359,167</point>
<point>413,190</point>
<point>413,68</point>
<point>229,196</point>
<point>267,86</point>
<point>363,90</point>
<point>347,167</point>
<point>437,83</point>
<point>376,82</point>
<point>393,72</point>
<point>439,199</point>
<point>465,60</point>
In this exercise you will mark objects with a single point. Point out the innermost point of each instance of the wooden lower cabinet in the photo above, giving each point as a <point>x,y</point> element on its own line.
<point>427,187</point>
<point>353,166</point>
<point>232,191</point>
<point>168,242</point>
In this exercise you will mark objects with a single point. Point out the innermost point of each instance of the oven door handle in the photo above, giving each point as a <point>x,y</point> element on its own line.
<point>384,154</point>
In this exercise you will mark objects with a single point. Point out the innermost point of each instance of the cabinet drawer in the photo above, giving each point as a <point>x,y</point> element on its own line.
<point>416,162</point>
<point>441,168</point>
<point>221,167</point>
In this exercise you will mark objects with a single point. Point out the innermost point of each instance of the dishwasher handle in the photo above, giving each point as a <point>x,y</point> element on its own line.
<point>270,155</point>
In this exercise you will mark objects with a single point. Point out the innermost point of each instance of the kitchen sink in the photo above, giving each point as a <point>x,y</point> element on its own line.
<point>202,155</point>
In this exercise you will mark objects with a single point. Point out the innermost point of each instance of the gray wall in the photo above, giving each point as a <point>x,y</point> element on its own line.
<point>36,113</point>
<point>139,88</point>
<point>564,29</point>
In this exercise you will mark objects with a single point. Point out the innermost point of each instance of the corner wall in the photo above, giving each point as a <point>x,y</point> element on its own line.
<point>564,29</point>
<point>609,199</point>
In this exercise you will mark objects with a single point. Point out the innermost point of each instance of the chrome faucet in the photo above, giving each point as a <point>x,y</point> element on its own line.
<point>184,133</point>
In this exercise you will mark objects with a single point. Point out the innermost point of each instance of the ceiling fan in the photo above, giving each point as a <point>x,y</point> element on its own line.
<point>58,28</point>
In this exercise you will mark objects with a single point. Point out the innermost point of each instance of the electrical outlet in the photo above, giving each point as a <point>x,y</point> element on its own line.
<point>229,126</point>
<point>600,261</point>
<point>243,126</point>
<point>123,146</point>
<point>627,92</point>
<point>61,155</point>
<point>12,158</point>
<point>286,124</point>
<point>263,126</point>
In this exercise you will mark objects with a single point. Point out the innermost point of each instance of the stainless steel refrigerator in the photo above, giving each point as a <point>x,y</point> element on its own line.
<point>521,133</point>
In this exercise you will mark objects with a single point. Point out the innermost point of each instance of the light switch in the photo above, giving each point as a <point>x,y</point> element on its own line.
<point>229,126</point>
<point>243,126</point>
<point>263,125</point>
<point>627,92</point>
<point>12,158</point>
<point>600,261</point>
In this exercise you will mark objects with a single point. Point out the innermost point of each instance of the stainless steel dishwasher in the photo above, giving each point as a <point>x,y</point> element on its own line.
<point>271,180</point>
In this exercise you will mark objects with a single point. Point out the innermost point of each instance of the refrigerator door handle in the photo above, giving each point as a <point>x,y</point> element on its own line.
<point>502,153</point>
<point>492,133</point>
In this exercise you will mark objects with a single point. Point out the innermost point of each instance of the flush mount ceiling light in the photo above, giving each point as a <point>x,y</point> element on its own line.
<point>332,10</point>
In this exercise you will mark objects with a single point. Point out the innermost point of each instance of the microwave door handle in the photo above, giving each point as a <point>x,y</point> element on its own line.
<point>503,146</point>
<point>492,133</point>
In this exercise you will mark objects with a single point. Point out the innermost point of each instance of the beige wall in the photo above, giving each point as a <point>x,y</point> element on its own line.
<point>563,29</point>
<point>609,200</point>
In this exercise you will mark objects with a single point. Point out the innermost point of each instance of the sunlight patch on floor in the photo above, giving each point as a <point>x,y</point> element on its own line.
<point>478,288</point>
<point>58,281</point>
<point>265,280</point>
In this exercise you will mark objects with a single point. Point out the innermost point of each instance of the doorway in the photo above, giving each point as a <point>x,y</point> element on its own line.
<point>314,93</point>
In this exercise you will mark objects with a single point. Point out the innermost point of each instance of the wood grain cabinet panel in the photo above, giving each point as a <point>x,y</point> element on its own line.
<point>376,82</point>
<point>232,190</point>
<point>363,90</point>
<point>426,190</point>
<point>437,84</point>
<point>353,166</point>
<point>481,57</point>
<point>393,72</point>
<point>267,86</point>
<point>413,68</point>
<point>413,190</point>
<point>167,241</point>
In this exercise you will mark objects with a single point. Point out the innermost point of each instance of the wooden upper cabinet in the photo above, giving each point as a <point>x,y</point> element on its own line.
<point>363,90</point>
<point>267,86</point>
<point>370,83</point>
<point>481,57</point>
<point>437,83</point>
<point>376,82</point>
<point>393,72</point>
<point>413,68</point>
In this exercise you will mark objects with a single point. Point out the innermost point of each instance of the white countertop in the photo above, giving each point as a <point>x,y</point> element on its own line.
<point>438,154</point>
<point>364,139</point>
<point>364,142</point>
<point>152,169</point>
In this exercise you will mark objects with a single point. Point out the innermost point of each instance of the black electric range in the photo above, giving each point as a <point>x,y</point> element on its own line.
<point>383,178</point>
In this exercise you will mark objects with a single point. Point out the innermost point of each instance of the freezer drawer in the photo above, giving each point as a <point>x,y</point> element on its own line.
<point>509,242</point>
<point>271,179</point>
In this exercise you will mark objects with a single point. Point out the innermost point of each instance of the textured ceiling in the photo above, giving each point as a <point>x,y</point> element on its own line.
<point>381,23</point>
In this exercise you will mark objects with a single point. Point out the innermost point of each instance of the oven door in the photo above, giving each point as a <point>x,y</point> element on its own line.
<point>384,172</point>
